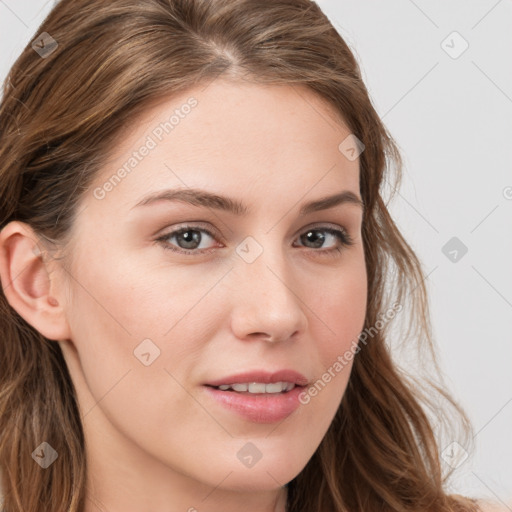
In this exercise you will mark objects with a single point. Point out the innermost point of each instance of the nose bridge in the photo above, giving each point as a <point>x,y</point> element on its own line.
<point>265,301</point>
<point>264,265</point>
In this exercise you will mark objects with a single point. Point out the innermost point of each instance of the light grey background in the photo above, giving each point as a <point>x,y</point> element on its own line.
<point>451,116</point>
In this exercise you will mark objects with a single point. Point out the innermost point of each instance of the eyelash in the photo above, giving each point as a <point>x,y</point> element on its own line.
<point>345,239</point>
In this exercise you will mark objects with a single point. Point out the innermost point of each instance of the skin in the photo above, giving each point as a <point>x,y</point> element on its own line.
<point>155,440</point>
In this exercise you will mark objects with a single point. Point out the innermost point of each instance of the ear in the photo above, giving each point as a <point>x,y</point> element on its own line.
<point>26,282</point>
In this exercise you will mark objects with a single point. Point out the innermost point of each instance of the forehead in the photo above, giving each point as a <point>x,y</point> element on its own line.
<point>231,136</point>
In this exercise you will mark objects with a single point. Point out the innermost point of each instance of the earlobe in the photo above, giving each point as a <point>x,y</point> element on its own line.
<point>26,282</point>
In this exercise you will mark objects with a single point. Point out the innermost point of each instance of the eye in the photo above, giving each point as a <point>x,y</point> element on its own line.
<point>189,239</point>
<point>340,235</point>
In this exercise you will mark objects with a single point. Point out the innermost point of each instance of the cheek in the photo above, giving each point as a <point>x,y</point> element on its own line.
<point>337,321</point>
<point>113,314</point>
<point>116,309</point>
<point>342,308</point>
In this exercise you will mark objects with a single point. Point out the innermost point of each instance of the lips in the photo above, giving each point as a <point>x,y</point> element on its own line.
<point>258,407</point>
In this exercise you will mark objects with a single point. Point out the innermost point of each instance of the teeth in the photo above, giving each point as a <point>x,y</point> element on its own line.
<point>275,387</point>
<point>259,387</point>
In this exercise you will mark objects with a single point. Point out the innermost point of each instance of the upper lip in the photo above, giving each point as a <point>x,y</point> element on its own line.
<point>265,377</point>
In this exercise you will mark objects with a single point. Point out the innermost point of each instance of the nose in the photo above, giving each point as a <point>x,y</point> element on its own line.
<point>267,304</point>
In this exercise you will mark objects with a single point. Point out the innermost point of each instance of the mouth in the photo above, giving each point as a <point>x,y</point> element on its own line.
<point>258,397</point>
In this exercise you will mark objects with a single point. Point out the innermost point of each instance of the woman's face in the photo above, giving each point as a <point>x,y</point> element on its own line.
<point>155,315</point>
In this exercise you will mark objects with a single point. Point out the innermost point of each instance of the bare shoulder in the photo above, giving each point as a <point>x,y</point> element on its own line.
<point>493,506</point>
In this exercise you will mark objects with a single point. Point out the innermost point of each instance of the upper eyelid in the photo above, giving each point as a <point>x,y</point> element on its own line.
<point>184,226</point>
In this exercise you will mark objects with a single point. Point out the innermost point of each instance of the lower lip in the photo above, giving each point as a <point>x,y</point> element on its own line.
<point>259,408</point>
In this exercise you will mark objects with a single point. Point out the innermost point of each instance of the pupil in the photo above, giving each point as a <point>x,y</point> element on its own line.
<point>316,238</point>
<point>191,238</point>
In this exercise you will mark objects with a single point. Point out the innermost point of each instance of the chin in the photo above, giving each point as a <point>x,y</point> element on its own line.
<point>258,480</point>
<point>266,475</point>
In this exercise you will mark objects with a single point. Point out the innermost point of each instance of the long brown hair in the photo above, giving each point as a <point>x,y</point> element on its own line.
<point>59,118</point>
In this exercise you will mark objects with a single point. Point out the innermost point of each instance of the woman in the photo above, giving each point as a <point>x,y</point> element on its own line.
<point>200,274</point>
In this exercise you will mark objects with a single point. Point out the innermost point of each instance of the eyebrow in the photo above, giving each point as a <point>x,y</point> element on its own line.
<point>198,197</point>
